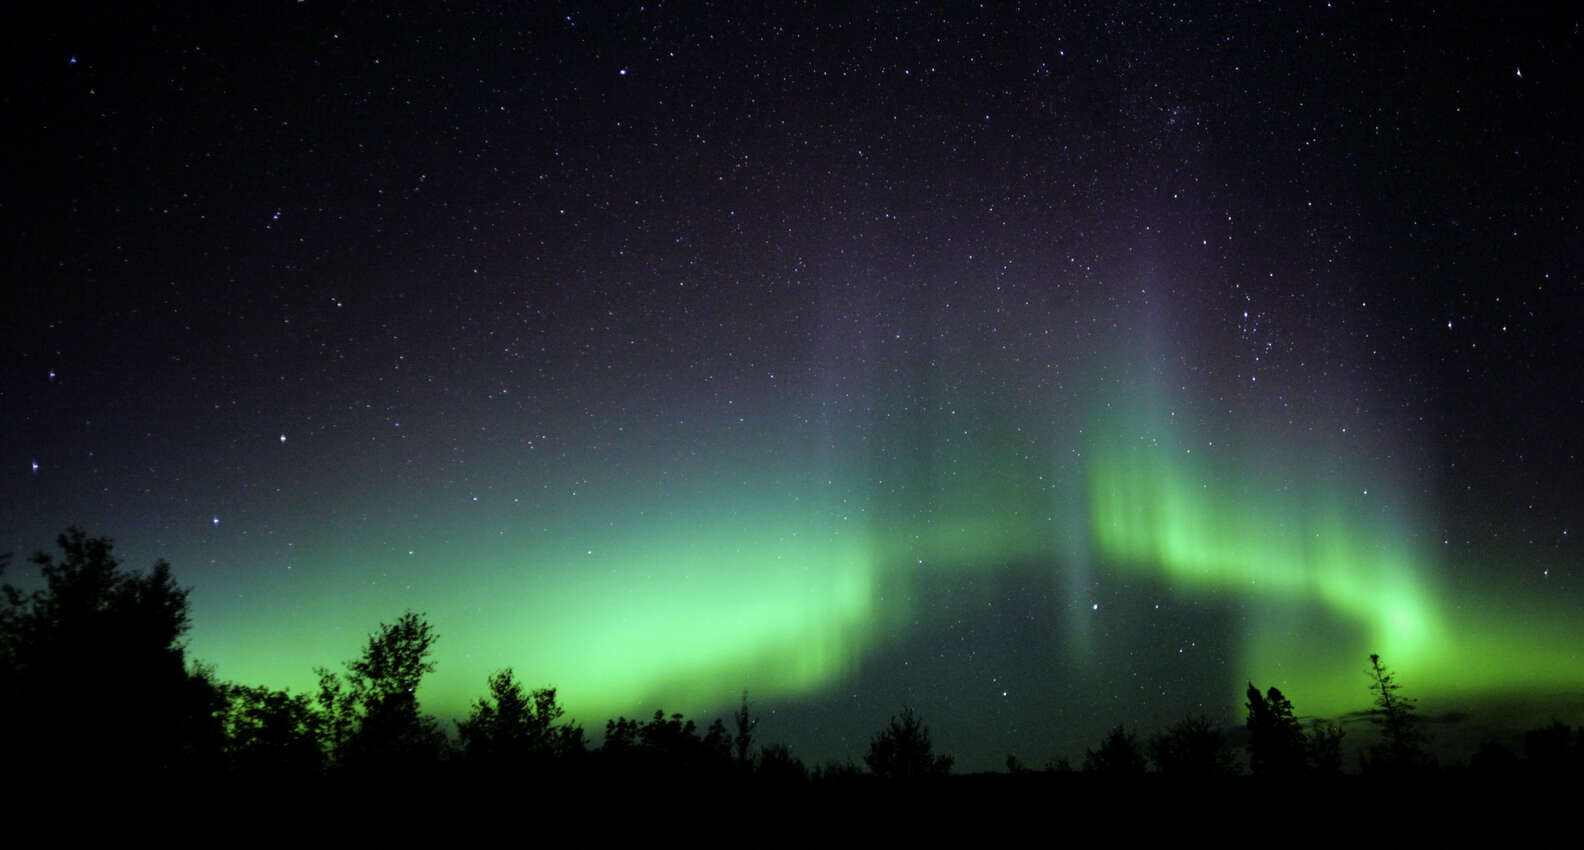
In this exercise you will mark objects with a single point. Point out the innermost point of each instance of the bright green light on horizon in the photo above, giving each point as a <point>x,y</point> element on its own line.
<point>679,606</point>
<point>688,618</point>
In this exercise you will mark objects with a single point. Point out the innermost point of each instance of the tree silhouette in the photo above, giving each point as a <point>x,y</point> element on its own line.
<point>778,765</point>
<point>903,750</point>
<point>1194,747</point>
<point>1119,755</point>
<point>742,742</point>
<point>1554,753</point>
<point>95,670</point>
<point>273,737</point>
<point>621,736</point>
<point>371,711</point>
<point>514,728</point>
<point>1402,743</point>
<point>668,745</point>
<point>1276,741</point>
<point>1323,748</point>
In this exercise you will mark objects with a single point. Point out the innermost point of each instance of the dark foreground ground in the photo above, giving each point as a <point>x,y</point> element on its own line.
<point>1039,809</point>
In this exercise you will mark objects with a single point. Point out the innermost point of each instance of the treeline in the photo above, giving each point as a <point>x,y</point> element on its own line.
<point>98,690</point>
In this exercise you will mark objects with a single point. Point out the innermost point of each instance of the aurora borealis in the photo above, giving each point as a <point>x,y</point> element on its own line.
<point>1040,368</point>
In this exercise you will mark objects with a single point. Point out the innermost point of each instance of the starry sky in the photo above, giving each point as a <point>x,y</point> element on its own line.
<point>1041,367</point>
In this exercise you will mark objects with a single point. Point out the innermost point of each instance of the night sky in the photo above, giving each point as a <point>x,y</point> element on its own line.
<point>1040,368</point>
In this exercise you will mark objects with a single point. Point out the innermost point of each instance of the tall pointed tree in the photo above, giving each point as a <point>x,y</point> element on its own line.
<point>1402,743</point>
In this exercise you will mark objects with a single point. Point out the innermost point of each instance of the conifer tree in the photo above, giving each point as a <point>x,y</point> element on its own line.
<point>1402,743</point>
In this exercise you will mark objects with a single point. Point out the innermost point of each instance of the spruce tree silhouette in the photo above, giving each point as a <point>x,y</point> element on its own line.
<point>95,671</point>
<point>1401,747</point>
<point>903,750</point>
<point>742,742</point>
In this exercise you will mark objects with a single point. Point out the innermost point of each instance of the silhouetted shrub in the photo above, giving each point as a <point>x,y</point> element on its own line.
<point>776,764</point>
<point>1553,752</point>
<point>903,750</point>
<point>1119,755</point>
<point>1323,748</point>
<point>1194,747</point>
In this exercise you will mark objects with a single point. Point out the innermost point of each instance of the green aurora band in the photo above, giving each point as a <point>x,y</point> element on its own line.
<point>784,581</point>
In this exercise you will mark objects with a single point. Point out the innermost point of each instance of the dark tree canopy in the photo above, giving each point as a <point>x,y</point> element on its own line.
<point>95,668</point>
<point>514,727</point>
<point>272,737</point>
<point>666,745</point>
<point>903,750</point>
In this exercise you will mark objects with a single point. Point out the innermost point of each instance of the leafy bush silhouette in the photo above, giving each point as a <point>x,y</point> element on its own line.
<point>777,765</point>
<point>1554,753</point>
<point>1119,755</point>
<point>1194,747</point>
<point>903,750</point>
<point>1323,748</point>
